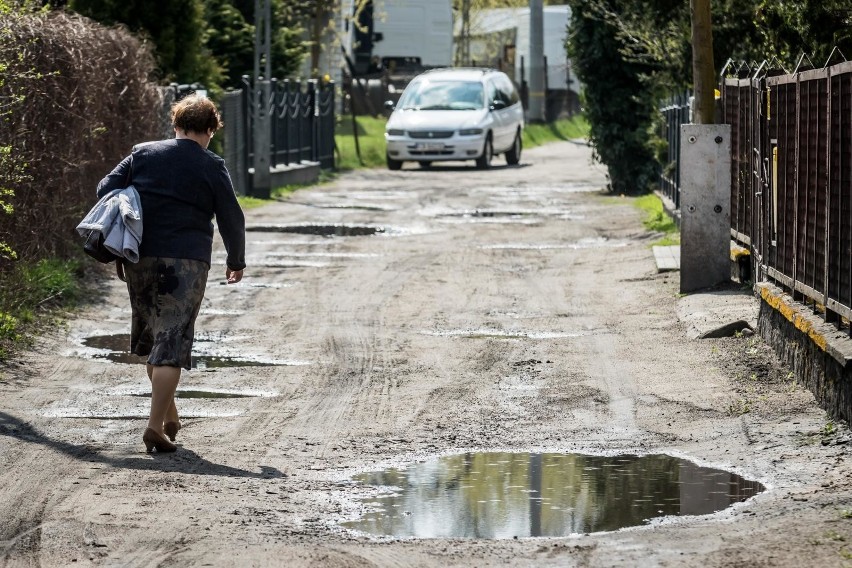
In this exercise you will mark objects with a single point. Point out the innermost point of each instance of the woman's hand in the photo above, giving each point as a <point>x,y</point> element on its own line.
<point>233,276</point>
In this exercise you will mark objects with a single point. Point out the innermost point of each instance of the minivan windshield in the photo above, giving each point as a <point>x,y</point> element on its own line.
<point>443,95</point>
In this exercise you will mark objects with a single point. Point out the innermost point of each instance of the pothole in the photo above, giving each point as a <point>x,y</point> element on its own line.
<point>506,334</point>
<point>320,230</point>
<point>115,348</point>
<point>140,414</point>
<point>334,255</point>
<point>340,206</point>
<point>507,495</point>
<point>289,264</point>
<point>585,243</point>
<point>252,284</point>
<point>488,214</point>
<point>205,394</point>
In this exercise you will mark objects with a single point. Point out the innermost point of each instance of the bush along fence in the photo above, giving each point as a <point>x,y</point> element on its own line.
<point>279,126</point>
<point>791,208</point>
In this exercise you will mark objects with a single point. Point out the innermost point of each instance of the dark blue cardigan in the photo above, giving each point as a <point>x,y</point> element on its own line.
<point>182,187</point>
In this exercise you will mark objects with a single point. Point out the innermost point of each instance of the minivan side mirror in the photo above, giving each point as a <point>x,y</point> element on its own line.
<point>497,104</point>
<point>390,105</point>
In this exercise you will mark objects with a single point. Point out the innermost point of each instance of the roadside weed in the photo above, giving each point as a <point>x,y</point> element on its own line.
<point>566,129</point>
<point>247,202</point>
<point>739,407</point>
<point>31,294</point>
<point>656,219</point>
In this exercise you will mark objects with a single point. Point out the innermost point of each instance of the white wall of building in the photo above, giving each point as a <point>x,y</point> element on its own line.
<point>556,19</point>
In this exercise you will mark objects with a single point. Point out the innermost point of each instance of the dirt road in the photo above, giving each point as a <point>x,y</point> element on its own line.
<point>513,310</point>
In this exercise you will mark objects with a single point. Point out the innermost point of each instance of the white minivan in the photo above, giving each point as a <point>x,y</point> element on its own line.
<point>456,114</point>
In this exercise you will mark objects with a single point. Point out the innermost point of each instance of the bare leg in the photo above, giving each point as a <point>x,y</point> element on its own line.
<point>171,411</point>
<point>164,382</point>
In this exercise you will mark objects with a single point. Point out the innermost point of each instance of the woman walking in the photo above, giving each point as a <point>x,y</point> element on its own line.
<point>182,186</point>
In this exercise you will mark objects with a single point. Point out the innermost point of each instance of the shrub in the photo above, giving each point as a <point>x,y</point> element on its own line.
<point>618,102</point>
<point>76,97</point>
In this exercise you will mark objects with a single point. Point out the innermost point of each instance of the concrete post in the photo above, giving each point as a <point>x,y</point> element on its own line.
<point>536,93</point>
<point>261,184</point>
<point>705,205</point>
<point>261,99</point>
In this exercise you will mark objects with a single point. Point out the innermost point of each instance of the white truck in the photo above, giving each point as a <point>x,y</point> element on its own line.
<point>384,33</point>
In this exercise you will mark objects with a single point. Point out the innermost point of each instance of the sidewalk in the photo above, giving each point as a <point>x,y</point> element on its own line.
<point>716,313</point>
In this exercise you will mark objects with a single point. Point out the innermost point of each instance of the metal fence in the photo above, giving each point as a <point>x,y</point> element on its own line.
<point>791,180</point>
<point>301,127</point>
<point>675,112</point>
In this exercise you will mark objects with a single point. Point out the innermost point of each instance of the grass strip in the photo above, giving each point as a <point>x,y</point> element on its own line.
<point>657,220</point>
<point>31,295</point>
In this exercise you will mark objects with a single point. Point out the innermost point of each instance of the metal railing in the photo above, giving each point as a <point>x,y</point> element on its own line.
<point>676,112</point>
<point>302,118</point>
<point>791,180</point>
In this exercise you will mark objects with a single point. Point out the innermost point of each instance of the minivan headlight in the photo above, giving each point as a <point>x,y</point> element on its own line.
<point>396,132</point>
<point>470,131</point>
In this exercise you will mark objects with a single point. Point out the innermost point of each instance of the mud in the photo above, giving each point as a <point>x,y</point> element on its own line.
<point>383,377</point>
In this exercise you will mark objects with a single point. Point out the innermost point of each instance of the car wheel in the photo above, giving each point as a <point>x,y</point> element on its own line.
<point>513,156</point>
<point>484,161</point>
<point>425,164</point>
<point>393,164</point>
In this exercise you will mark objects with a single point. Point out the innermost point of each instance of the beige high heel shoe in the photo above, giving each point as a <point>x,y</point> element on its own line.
<point>171,429</point>
<point>153,439</point>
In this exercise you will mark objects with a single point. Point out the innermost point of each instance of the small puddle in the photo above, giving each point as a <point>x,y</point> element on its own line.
<point>586,243</point>
<point>506,495</point>
<point>244,284</point>
<point>340,206</point>
<point>502,334</point>
<point>115,348</point>
<point>203,394</point>
<point>489,214</point>
<point>320,230</point>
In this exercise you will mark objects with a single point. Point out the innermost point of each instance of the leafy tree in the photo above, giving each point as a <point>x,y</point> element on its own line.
<point>175,27</point>
<point>813,27</point>
<point>230,39</point>
<point>231,34</point>
<point>618,100</point>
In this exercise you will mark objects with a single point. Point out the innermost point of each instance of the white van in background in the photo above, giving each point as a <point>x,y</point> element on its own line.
<point>462,113</point>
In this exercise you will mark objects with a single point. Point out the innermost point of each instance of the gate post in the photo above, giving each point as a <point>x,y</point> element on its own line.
<point>705,165</point>
<point>261,179</point>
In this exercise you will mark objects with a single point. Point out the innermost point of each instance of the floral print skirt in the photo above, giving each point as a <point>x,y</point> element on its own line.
<point>165,296</point>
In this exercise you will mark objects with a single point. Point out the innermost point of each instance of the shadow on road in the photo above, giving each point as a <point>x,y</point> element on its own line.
<point>182,461</point>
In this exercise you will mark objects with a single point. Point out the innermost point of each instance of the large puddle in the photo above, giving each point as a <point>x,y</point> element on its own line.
<point>507,495</point>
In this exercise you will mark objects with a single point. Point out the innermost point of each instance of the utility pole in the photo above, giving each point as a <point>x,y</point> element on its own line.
<point>463,53</point>
<point>261,95</point>
<point>536,93</point>
<point>703,73</point>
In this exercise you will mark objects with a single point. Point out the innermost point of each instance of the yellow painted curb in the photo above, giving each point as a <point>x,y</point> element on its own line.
<point>739,252</point>
<point>800,322</point>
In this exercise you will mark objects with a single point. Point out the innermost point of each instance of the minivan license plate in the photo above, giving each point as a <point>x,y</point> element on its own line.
<point>429,146</point>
